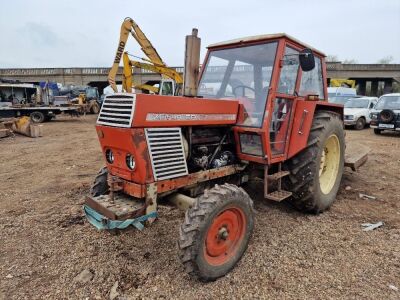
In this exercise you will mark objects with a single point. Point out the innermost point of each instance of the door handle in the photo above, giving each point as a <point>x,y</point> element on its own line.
<point>303,117</point>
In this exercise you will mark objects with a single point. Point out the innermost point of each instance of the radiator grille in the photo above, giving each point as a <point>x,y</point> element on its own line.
<point>117,110</point>
<point>166,152</point>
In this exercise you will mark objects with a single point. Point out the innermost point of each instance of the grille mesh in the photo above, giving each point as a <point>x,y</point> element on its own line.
<point>117,110</point>
<point>166,152</point>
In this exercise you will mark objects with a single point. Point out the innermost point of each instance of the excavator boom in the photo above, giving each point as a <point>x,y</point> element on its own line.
<point>155,64</point>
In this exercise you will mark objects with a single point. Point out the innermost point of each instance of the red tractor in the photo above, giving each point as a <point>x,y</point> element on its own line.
<point>260,111</point>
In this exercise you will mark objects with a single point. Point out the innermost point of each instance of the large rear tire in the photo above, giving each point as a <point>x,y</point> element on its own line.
<point>100,184</point>
<point>216,232</point>
<point>316,172</point>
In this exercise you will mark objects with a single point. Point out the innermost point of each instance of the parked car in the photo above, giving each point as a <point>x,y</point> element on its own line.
<point>357,111</point>
<point>340,95</point>
<point>386,113</point>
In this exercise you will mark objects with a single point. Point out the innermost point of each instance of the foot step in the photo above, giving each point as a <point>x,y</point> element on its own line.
<point>278,195</point>
<point>278,175</point>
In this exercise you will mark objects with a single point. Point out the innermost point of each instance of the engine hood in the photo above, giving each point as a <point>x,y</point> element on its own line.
<point>355,111</point>
<point>164,111</point>
<point>396,111</point>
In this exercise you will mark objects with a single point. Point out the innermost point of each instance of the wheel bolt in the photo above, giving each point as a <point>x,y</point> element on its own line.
<point>223,233</point>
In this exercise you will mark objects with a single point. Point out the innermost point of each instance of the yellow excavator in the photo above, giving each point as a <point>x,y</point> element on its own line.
<point>171,82</point>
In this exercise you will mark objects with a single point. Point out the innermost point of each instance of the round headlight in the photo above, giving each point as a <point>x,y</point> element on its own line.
<point>130,161</point>
<point>109,156</point>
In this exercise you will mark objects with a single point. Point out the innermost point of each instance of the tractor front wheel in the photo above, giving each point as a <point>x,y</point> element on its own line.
<point>100,184</point>
<point>316,172</point>
<point>216,232</point>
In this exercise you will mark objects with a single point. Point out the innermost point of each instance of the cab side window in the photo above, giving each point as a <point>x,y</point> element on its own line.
<point>312,81</point>
<point>287,79</point>
<point>167,88</point>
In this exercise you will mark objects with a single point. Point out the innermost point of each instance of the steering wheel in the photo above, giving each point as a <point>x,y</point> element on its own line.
<point>242,86</point>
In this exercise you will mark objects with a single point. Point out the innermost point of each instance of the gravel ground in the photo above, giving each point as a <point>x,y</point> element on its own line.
<point>49,251</point>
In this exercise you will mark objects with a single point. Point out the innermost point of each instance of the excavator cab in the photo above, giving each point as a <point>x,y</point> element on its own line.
<point>167,87</point>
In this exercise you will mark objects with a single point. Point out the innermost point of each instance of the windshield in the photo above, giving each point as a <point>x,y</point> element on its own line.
<point>357,103</point>
<point>91,93</point>
<point>242,73</point>
<point>388,102</point>
<point>339,99</point>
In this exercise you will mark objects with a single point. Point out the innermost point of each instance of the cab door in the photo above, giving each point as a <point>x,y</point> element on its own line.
<point>283,102</point>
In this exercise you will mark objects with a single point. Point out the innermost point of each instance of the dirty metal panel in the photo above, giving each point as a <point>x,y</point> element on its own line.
<point>121,208</point>
<point>166,152</point>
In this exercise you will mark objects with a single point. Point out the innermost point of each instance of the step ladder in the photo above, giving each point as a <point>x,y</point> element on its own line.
<point>278,195</point>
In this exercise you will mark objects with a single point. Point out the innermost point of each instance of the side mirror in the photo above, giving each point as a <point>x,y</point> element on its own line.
<point>307,61</point>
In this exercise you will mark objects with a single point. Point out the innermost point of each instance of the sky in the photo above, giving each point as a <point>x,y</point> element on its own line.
<point>85,33</point>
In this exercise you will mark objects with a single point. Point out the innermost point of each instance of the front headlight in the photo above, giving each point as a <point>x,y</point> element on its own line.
<point>130,161</point>
<point>373,116</point>
<point>349,117</point>
<point>109,156</point>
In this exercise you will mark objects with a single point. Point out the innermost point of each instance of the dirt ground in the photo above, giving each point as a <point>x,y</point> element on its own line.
<point>45,241</point>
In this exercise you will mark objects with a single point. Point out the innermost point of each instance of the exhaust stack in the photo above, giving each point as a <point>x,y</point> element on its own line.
<point>192,61</point>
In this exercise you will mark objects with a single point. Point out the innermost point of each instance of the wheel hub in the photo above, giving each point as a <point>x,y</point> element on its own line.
<point>224,236</point>
<point>223,233</point>
<point>329,164</point>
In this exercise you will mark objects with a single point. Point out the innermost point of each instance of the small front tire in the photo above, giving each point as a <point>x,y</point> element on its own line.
<point>100,185</point>
<point>216,232</point>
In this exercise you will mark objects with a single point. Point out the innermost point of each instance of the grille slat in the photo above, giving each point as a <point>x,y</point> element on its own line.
<point>117,115</point>
<point>117,110</point>
<point>166,152</point>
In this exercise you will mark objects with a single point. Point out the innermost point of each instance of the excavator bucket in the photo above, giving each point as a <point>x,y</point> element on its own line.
<point>356,154</point>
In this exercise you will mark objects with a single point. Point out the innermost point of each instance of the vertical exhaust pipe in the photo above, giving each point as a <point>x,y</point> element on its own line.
<point>192,62</point>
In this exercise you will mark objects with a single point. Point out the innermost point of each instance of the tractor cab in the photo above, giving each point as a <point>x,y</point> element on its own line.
<point>269,75</point>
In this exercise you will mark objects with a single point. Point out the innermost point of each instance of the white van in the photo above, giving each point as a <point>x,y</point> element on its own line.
<point>340,95</point>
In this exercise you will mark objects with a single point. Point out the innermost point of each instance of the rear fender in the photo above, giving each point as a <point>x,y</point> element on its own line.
<point>302,121</point>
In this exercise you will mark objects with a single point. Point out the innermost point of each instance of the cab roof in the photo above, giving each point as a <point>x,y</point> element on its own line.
<point>263,37</point>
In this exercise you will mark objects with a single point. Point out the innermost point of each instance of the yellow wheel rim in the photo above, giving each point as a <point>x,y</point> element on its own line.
<point>329,164</point>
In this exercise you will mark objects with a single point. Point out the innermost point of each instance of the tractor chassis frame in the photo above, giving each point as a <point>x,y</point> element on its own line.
<point>146,195</point>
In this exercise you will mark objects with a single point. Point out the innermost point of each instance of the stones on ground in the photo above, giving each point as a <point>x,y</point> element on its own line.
<point>84,276</point>
<point>9,276</point>
<point>113,292</point>
<point>371,226</point>
<point>393,287</point>
<point>348,188</point>
<point>366,197</point>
